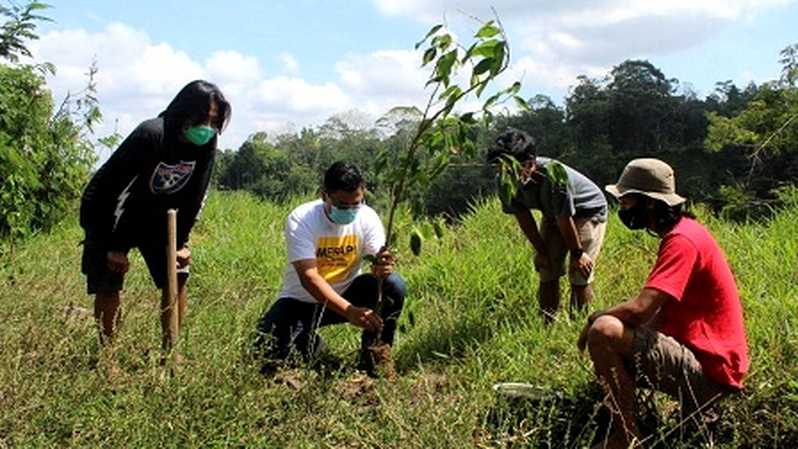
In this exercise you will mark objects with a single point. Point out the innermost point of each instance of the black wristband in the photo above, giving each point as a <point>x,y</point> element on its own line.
<point>577,253</point>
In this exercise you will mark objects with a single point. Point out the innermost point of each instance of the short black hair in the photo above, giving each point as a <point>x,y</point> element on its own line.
<point>191,105</point>
<point>342,176</point>
<point>513,142</point>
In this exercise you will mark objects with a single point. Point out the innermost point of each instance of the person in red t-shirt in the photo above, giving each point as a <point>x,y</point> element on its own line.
<point>683,334</point>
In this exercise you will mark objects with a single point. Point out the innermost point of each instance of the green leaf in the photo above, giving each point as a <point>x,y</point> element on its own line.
<point>522,104</point>
<point>467,55</point>
<point>491,100</point>
<point>449,91</point>
<point>429,55</point>
<point>479,89</point>
<point>488,30</point>
<point>487,49</point>
<point>454,96</point>
<point>483,66</point>
<point>435,142</point>
<point>448,108</point>
<point>474,80</point>
<point>433,80</point>
<point>509,170</point>
<point>444,66</point>
<point>442,42</point>
<point>557,175</point>
<point>500,52</point>
<point>440,166</point>
<point>432,31</point>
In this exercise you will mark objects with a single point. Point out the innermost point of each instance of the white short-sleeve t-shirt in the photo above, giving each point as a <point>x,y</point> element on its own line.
<point>338,249</point>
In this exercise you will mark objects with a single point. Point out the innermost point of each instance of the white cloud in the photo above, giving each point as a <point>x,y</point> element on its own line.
<point>557,76</point>
<point>229,67</point>
<point>588,11</point>
<point>383,79</point>
<point>299,96</point>
<point>138,77</point>
<point>552,43</point>
<point>555,41</point>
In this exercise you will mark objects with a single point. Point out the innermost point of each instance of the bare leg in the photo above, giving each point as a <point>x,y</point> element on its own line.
<point>549,299</point>
<point>106,312</point>
<point>581,296</point>
<point>609,343</point>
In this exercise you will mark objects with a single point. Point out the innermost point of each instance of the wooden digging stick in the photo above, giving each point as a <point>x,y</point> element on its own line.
<point>169,297</point>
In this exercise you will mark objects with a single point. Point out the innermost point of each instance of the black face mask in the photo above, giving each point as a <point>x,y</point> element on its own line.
<point>634,217</point>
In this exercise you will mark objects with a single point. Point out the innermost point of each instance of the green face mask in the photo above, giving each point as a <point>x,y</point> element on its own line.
<point>199,135</point>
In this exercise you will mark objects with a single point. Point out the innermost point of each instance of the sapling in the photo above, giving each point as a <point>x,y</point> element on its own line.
<point>438,133</point>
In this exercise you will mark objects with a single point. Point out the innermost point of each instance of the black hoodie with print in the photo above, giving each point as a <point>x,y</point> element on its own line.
<point>125,203</point>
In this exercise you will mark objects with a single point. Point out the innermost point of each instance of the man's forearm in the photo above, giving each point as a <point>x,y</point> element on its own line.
<point>568,232</point>
<point>324,293</point>
<point>527,224</point>
<point>629,312</point>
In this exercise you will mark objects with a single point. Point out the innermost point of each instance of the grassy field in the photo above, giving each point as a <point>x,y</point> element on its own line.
<point>472,298</point>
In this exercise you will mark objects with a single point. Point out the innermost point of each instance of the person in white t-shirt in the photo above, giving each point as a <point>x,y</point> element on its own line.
<point>327,240</point>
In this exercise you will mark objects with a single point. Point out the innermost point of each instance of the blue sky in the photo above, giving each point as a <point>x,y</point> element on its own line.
<point>288,64</point>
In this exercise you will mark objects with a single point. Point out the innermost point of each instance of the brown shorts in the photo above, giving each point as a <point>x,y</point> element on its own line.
<point>662,363</point>
<point>591,235</point>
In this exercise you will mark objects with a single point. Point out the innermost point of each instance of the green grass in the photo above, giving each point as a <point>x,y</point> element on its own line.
<point>472,297</point>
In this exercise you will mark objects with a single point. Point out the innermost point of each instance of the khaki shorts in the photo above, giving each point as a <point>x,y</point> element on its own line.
<point>591,235</point>
<point>663,364</point>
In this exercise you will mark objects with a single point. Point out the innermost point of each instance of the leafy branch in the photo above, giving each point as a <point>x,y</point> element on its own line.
<point>19,27</point>
<point>440,133</point>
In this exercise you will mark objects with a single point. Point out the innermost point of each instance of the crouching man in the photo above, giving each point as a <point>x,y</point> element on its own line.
<point>327,241</point>
<point>683,334</point>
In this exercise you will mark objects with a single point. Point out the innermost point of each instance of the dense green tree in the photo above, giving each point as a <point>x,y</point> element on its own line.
<point>45,152</point>
<point>731,149</point>
<point>266,170</point>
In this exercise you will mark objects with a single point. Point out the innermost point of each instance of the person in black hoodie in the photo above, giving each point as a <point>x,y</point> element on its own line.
<point>165,163</point>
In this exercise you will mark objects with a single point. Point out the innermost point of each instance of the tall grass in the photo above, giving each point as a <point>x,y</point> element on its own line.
<point>475,323</point>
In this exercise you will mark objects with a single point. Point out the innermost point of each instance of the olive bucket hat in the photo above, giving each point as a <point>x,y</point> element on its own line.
<point>650,177</point>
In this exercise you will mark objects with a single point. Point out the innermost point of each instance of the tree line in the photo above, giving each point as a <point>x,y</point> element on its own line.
<point>736,149</point>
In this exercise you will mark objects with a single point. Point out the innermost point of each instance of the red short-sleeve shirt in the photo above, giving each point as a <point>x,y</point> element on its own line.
<point>704,312</point>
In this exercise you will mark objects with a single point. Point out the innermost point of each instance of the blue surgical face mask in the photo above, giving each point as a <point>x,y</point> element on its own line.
<point>343,216</point>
